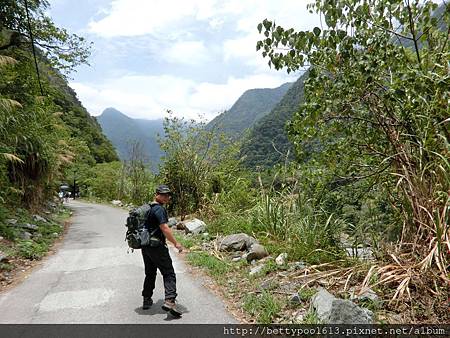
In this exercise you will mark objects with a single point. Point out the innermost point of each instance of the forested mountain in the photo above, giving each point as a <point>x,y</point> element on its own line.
<point>248,109</point>
<point>267,143</point>
<point>81,124</point>
<point>123,131</point>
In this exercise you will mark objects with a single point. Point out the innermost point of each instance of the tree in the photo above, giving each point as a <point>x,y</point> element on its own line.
<point>377,99</point>
<point>193,163</point>
<point>65,51</point>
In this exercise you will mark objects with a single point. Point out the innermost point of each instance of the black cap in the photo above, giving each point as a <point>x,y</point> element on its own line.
<point>163,189</point>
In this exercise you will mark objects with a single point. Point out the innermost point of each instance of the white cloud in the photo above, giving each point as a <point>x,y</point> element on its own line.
<point>150,96</point>
<point>187,52</point>
<point>140,17</point>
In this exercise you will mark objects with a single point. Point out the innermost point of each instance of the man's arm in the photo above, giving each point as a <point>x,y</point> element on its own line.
<point>168,234</point>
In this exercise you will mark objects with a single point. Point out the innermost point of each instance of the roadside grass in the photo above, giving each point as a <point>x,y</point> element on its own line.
<point>187,242</point>
<point>265,307</point>
<point>41,240</point>
<point>311,318</point>
<point>214,266</point>
<point>306,294</point>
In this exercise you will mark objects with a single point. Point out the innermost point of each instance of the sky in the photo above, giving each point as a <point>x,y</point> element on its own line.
<point>193,57</point>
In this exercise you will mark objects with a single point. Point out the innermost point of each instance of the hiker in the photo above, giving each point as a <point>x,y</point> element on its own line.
<point>158,257</point>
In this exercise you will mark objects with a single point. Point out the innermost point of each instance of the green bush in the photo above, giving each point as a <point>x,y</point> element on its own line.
<point>31,250</point>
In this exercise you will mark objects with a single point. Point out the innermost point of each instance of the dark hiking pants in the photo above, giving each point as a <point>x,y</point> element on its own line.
<point>158,258</point>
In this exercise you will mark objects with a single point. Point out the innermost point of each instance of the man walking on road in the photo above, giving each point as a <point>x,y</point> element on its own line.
<point>158,257</point>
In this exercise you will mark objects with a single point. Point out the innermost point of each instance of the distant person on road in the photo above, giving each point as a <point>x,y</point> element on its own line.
<point>158,257</point>
<point>61,196</point>
<point>66,197</point>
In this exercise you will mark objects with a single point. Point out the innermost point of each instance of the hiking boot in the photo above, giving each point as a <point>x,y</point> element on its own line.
<point>148,302</point>
<point>171,306</point>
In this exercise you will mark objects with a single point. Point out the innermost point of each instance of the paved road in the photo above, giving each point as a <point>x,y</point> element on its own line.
<point>92,279</point>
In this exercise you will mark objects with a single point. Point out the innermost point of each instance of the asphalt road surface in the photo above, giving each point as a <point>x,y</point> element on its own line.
<point>92,279</point>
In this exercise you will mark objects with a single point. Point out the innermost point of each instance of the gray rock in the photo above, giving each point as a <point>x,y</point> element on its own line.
<point>367,294</point>
<point>365,253</point>
<point>295,299</point>
<point>281,259</point>
<point>25,235</point>
<point>195,226</point>
<point>322,302</point>
<point>117,203</point>
<point>257,251</point>
<point>344,311</point>
<point>52,205</point>
<point>332,310</point>
<point>172,222</point>
<point>256,270</point>
<point>1,238</point>
<point>3,257</point>
<point>236,259</point>
<point>297,266</point>
<point>11,221</point>
<point>29,226</point>
<point>236,242</point>
<point>266,285</point>
<point>38,218</point>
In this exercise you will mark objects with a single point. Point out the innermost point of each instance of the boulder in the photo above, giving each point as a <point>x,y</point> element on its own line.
<point>172,222</point>
<point>38,218</point>
<point>25,235</point>
<point>236,242</point>
<point>117,203</point>
<point>256,269</point>
<point>195,226</point>
<point>29,226</point>
<point>281,259</point>
<point>11,221</point>
<point>257,251</point>
<point>344,311</point>
<point>332,310</point>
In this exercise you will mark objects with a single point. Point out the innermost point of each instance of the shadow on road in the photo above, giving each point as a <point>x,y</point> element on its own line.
<point>156,309</point>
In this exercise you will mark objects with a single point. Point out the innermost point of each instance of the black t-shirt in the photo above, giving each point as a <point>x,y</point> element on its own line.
<point>157,216</point>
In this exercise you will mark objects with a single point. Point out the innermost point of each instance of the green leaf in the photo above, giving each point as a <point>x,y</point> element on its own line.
<point>316,31</point>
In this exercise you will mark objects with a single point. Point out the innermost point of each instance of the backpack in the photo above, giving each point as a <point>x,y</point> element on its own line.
<point>137,235</point>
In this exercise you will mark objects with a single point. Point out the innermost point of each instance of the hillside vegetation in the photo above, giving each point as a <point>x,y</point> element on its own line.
<point>251,106</point>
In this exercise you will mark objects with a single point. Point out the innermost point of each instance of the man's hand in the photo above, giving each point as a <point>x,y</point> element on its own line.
<point>179,247</point>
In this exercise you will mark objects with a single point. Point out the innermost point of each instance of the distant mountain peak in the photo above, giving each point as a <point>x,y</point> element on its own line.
<point>251,106</point>
<point>113,112</point>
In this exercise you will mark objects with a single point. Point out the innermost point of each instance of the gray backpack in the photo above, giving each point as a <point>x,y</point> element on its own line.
<point>137,235</point>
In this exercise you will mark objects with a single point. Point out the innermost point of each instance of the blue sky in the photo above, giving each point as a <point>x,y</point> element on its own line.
<point>194,57</point>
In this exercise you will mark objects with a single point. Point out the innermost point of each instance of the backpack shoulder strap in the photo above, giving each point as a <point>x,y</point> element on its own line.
<point>152,204</point>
